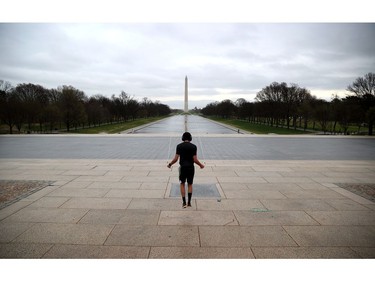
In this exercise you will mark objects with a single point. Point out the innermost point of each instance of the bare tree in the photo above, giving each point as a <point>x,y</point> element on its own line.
<point>34,99</point>
<point>323,114</point>
<point>8,105</point>
<point>226,108</point>
<point>72,106</point>
<point>364,88</point>
<point>283,101</point>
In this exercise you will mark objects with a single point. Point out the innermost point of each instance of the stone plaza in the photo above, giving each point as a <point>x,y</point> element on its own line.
<point>114,197</point>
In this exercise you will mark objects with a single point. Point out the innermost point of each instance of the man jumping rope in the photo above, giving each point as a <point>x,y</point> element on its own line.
<point>187,152</point>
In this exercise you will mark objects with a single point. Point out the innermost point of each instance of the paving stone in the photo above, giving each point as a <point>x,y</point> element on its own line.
<point>312,186</point>
<point>155,204</point>
<point>104,178</point>
<point>167,173</point>
<point>312,194</point>
<point>233,186</point>
<point>97,203</point>
<point>326,236</point>
<point>10,230</point>
<point>15,207</point>
<point>200,253</point>
<point>296,204</point>
<point>115,185</point>
<point>271,168</point>
<point>347,174</point>
<point>256,174</point>
<point>300,174</point>
<point>140,217</point>
<point>153,185</point>
<point>135,235</point>
<point>39,177</point>
<point>129,217</point>
<point>273,186</point>
<point>288,179</point>
<point>41,193</point>
<point>241,179</point>
<point>334,180</point>
<point>129,174</point>
<point>23,251</point>
<point>31,214</point>
<point>229,167</point>
<point>254,194</point>
<point>78,192</point>
<point>206,173</point>
<point>121,193</point>
<point>49,202</point>
<point>66,233</point>
<point>364,252</point>
<point>103,216</point>
<point>274,218</point>
<point>244,236</point>
<point>44,171</point>
<point>370,206</point>
<point>186,217</point>
<point>159,167</point>
<point>111,167</point>
<point>228,204</point>
<point>96,252</point>
<point>76,184</point>
<point>344,217</point>
<point>163,179</point>
<point>9,172</point>
<point>85,172</point>
<point>304,253</point>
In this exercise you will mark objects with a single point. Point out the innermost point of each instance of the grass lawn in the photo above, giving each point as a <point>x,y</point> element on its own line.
<point>258,128</point>
<point>116,128</point>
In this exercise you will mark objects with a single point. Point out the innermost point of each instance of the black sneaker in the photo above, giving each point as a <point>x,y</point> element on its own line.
<point>184,205</point>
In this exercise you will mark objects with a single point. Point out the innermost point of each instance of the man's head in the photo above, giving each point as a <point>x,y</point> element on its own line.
<point>186,137</point>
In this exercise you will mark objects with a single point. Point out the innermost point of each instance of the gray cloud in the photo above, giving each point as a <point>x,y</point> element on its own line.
<point>221,60</point>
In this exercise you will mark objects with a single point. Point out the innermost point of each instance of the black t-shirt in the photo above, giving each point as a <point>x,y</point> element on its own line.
<point>186,150</point>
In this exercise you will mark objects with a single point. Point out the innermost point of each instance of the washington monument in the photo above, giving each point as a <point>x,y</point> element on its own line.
<point>186,109</point>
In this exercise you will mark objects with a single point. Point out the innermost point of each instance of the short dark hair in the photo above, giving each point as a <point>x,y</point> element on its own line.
<point>186,137</point>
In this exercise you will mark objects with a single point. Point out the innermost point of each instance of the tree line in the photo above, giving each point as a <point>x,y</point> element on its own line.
<point>280,104</point>
<point>67,107</point>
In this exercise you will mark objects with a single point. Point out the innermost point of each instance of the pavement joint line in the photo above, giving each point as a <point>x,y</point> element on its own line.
<point>113,227</point>
<point>291,237</point>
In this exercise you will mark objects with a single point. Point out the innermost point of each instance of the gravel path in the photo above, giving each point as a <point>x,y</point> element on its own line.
<point>366,190</point>
<point>13,191</point>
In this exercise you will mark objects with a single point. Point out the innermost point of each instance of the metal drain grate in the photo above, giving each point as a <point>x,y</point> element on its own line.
<point>199,190</point>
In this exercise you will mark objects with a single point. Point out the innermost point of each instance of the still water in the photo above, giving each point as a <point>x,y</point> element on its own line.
<point>182,123</point>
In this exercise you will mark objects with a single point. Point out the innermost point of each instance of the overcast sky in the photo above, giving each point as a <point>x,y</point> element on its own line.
<point>222,60</point>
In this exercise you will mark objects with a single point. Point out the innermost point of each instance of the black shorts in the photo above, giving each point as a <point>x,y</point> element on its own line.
<point>186,174</point>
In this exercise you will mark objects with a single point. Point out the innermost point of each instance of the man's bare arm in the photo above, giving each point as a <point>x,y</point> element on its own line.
<point>174,160</point>
<point>196,161</point>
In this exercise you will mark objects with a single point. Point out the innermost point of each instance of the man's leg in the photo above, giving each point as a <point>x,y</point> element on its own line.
<point>182,189</point>
<point>182,178</point>
<point>190,193</point>
<point>190,179</point>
